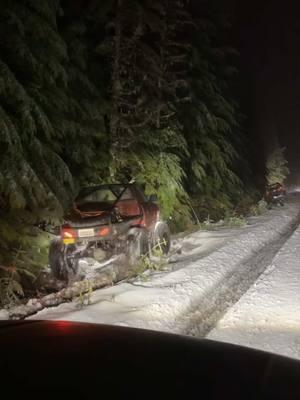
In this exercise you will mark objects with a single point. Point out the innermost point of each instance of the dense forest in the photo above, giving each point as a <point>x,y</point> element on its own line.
<point>113,91</point>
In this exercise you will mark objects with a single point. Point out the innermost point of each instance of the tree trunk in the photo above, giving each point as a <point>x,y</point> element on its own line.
<point>115,274</point>
<point>116,86</point>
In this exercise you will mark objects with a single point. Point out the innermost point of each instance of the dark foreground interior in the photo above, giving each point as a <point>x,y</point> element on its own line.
<point>43,359</point>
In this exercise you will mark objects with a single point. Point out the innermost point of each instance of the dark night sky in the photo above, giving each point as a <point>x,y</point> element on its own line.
<point>267,34</point>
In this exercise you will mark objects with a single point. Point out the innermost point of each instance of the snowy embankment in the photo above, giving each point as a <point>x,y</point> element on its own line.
<point>267,317</point>
<point>165,302</point>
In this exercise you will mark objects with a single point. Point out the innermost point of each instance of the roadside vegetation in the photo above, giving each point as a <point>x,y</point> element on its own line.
<point>112,91</point>
<point>276,165</point>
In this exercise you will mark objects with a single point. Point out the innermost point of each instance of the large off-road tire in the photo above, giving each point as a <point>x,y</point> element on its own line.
<point>161,238</point>
<point>62,267</point>
<point>137,245</point>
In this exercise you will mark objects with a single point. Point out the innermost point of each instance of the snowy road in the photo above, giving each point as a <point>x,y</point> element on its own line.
<point>192,299</point>
<point>267,317</point>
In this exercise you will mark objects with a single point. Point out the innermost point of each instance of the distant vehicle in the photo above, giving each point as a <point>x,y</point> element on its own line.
<point>85,361</point>
<point>275,194</point>
<point>110,219</point>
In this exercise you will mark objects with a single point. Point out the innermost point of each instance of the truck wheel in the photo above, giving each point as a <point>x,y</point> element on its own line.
<point>62,266</point>
<point>161,238</point>
<point>137,246</point>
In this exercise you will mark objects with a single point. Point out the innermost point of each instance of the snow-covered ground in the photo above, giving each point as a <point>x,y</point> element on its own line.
<point>267,317</point>
<point>182,300</point>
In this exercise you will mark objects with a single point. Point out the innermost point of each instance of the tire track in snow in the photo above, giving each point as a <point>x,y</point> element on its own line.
<point>201,319</point>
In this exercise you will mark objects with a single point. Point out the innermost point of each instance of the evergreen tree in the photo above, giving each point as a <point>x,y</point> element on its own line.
<point>33,176</point>
<point>144,132</point>
<point>211,119</point>
<point>33,77</point>
<point>86,151</point>
<point>276,165</point>
<point>51,108</point>
<point>171,112</point>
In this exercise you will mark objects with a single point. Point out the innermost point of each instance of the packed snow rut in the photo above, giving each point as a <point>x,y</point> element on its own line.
<point>267,316</point>
<point>202,319</point>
